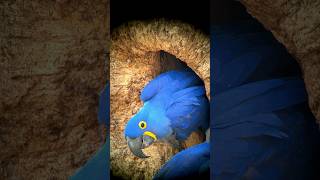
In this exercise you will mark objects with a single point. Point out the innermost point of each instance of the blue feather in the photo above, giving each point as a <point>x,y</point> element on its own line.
<point>261,126</point>
<point>175,102</point>
<point>185,108</point>
<point>277,96</point>
<point>174,79</point>
<point>97,167</point>
<point>187,164</point>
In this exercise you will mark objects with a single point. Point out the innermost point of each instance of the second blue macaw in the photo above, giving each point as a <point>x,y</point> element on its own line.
<point>175,105</point>
<point>262,127</point>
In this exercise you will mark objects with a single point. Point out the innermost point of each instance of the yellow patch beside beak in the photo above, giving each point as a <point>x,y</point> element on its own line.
<point>152,135</point>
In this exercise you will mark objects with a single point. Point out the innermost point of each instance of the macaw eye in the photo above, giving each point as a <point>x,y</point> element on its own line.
<point>142,124</point>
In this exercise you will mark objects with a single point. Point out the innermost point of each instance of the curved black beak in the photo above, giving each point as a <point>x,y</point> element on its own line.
<point>136,145</point>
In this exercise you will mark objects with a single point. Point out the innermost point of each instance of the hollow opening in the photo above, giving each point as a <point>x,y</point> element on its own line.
<point>169,62</point>
<point>139,52</point>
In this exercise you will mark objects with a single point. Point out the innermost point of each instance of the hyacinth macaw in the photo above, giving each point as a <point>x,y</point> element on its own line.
<point>260,122</point>
<point>261,126</point>
<point>97,168</point>
<point>175,105</point>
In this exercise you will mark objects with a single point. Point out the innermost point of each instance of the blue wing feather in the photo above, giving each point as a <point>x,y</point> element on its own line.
<point>188,110</point>
<point>96,168</point>
<point>277,96</point>
<point>187,164</point>
<point>261,125</point>
<point>170,80</point>
<point>247,54</point>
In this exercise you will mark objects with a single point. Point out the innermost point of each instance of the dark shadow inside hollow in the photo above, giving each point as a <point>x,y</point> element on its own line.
<point>169,62</point>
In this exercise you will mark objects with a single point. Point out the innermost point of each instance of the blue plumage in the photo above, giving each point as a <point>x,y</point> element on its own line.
<point>97,167</point>
<point>261,125</point>
<point>190,163</point>
<point>175,104</point>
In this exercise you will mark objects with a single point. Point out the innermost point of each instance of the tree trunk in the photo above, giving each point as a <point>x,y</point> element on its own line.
<point>52,61</point>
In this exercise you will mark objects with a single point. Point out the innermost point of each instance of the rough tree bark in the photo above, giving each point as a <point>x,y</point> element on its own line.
<point>296,24</point>
<point>52,58</point>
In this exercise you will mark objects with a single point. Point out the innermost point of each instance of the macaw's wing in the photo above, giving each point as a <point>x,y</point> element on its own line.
<point>261,126</point>
<point>174,80</point>
<point>247,53</point>
<point>97,168</point>
<point>264,130</point>
<point>238,28</point>
<point>255,98</point>
<point>188,110</point>
<point>191,163</point>
<point>104,109</point>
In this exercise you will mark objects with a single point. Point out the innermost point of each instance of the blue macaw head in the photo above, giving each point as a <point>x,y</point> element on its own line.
<point>145,127</point>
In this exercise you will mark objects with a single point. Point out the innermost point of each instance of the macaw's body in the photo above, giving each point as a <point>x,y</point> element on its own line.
<point>191,163</point>
<point>261,126</point>
<point>97,168</point>
<point>175,105</point>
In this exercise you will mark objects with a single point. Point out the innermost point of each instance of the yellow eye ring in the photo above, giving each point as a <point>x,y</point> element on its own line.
<point>142,124</point>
